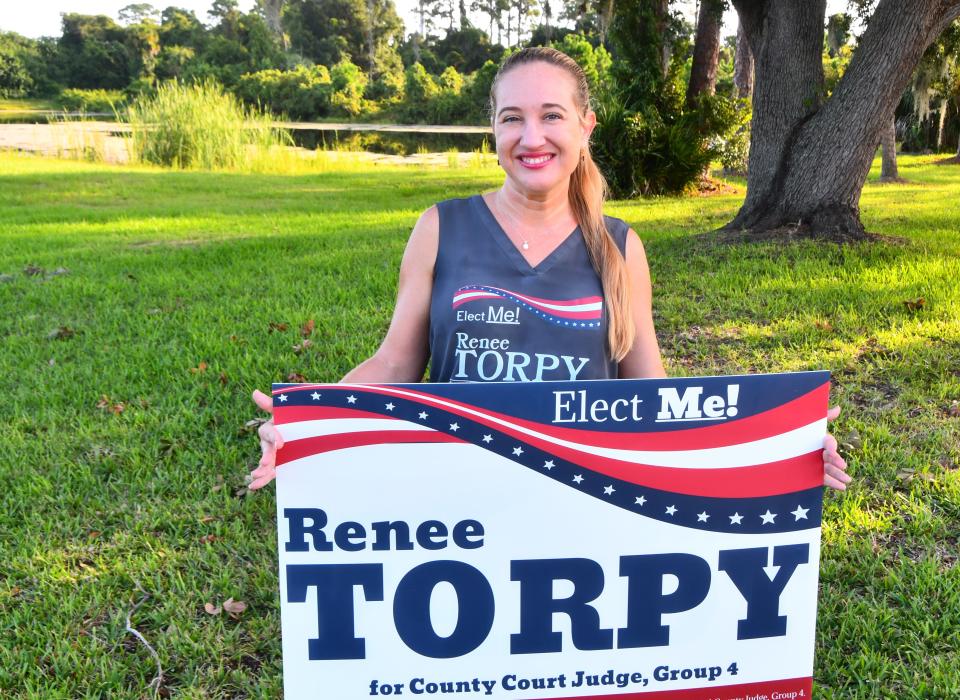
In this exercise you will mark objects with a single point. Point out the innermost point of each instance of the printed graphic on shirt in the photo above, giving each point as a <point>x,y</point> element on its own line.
<point>479,355</point>
<point>585,312</point>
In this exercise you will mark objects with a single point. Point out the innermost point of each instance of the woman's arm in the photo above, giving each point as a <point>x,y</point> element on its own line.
<point>403,354</point>
<point>643,360</point>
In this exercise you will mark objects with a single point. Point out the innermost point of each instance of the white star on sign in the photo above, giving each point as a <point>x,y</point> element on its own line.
<point>671,510</point>
<point>518,451</point>
<point>800,513</point>
<point>768,517</point>
<point>487,438</point>
<point>283,398</point>
<point>548,465</point>
<point>640,500</point>
<point>578,478</point>
<point>423,415</point>
<point>389,407</point>
<point>736,519</point>
<point>315,396</point>
<point>702,517</point>
<point>608,490</point>
<point>351,399</point>
<point>454,427</point>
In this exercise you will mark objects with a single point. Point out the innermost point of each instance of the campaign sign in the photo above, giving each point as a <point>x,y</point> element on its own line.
<point>599,539</point>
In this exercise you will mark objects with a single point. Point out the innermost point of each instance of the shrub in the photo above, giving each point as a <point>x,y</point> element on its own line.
<point>198,126</point>
<point>348,83</point>
<point>75,100</point>
<point>302,93</point>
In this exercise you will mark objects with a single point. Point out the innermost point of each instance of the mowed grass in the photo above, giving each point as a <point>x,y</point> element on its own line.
<point>126,385</point>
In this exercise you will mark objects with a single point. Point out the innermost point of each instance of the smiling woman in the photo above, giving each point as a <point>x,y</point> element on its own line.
<point>529,282</point>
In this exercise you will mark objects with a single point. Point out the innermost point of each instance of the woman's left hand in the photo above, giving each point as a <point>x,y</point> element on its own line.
<point>834,467</point>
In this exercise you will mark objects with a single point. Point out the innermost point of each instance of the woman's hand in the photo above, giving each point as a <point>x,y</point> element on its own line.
<point>834,467</point>
<point>270,442</point>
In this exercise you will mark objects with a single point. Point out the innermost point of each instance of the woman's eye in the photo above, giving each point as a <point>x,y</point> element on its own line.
<point>554,115</point>
<point>508,119</point>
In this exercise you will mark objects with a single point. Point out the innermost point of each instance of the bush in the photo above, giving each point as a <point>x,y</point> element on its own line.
<point>75,100</point>
<point>198,126</point>
<point>302,93</point>
<point>348,83</point>
<point>641,153</point>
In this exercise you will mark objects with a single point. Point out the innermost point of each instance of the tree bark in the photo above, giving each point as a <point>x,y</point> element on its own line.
<point>706,51</point>
<point>808,162</point>
<point>271,12</point>
<point>888,149</point>
<point>743,66</point>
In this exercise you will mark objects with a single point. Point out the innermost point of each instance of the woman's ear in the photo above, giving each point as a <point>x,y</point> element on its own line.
<point>589,122</point>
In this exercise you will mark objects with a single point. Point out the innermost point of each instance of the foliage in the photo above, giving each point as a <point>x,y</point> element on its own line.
<point>331,31</point>
<point>103,101</point>
<point>197,126</point>
<point>348,83</point>
<point>15,77</point>
<point>834,66</point>
<point>648,140</point>
<point>595,61</point>
<point>302,93</point>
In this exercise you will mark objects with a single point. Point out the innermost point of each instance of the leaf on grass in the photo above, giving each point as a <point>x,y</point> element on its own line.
<point>210,539</point>
<point>207,519</point>
<point>199,369</point>
<point>15,591</point>
<point>212,609</point>
<point>106,404</point>
<point>61,333</point>
<point>223,379</point>
<point>301,346</point>
<point>51,362</point>
<point>251,426</point>
<point>33,270</point>
<point>94,534</point>
<point>914,304</point>
<point>851,442</point>
<point>296,377</point>
<point>954,409</point>
<point>60,271</point>
<point>241,492</point>
<point>825,326</point>
<point>234,607</point>
<point>279,327</point>
<point>307,329</point>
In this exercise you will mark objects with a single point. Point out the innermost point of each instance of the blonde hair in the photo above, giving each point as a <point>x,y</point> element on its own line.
<point>588,190</point>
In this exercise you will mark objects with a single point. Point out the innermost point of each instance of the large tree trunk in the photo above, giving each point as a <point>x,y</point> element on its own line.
<point>706,51</point>
<point>888,152</point>
<point>808,162</point>
<point>743,66</point>
<point>271,12</point>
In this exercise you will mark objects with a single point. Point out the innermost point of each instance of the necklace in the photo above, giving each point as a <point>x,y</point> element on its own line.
<point>524,241</point>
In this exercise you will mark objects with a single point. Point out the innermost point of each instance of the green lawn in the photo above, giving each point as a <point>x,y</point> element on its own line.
<point>126,385</point>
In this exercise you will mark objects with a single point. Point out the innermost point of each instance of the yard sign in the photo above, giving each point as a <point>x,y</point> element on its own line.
<point>603,539</point>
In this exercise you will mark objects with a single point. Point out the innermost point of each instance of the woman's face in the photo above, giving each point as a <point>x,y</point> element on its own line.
<point>538,127</point>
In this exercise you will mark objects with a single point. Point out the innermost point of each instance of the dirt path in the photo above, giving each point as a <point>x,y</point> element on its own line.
<point>100,141</point>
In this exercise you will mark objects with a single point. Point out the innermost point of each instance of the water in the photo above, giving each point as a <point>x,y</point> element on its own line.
<point>395,143</point>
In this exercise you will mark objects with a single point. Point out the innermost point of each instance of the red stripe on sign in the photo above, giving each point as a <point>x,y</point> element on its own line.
<point>789,689</point>
<point>298,449</point>
<point>296,414</point>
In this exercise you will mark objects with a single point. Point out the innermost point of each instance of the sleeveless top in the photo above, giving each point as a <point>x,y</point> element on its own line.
<point>493,317</point>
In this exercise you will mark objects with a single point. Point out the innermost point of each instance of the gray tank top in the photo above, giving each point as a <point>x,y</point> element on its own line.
<point>493,317</point>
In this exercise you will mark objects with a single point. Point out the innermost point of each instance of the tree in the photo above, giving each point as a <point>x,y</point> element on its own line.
<point>137,13</point>
<point>809,158</point>
<point>706,50</point>
<point>743,66</point>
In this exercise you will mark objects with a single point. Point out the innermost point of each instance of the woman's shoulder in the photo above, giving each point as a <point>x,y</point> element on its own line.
<point>618,229</point>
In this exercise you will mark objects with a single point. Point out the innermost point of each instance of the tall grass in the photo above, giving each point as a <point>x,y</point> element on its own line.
<point>199,126</point>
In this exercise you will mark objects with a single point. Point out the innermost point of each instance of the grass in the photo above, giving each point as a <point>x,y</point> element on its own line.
<point>127,377</point>
<point>17,104</point>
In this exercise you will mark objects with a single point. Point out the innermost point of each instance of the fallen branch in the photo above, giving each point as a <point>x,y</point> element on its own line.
<point>158,679</point>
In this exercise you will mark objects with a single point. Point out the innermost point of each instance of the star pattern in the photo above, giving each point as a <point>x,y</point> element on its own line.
<point>735,515</point>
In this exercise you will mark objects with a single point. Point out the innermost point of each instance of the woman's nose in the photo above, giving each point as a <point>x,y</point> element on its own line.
<point>532,134</point>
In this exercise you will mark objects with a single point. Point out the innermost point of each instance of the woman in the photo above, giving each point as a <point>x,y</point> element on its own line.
<point>570,287</point>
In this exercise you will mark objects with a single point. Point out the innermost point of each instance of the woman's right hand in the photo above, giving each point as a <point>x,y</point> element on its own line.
<point>270,442</point>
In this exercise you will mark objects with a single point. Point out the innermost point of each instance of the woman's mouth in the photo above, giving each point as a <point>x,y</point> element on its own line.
<point>535,160</point>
